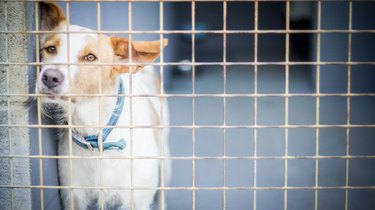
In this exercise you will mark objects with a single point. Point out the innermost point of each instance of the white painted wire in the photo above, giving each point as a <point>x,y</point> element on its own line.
<point>348,105</point>
<point>39,108</point>
<point>161,101</point>
<point>193,6</point>
<point>286,107</point>
<point>70,122</point>
<point>225,5</point>
<point>255,133</point>
<point>130,53</point>
<point>317,107</point>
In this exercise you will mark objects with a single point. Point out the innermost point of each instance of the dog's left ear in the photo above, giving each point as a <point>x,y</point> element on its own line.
<point>142,51</point>
<point>51,15</point>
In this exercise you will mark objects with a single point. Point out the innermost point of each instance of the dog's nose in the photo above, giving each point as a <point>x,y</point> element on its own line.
<point>52,78</point>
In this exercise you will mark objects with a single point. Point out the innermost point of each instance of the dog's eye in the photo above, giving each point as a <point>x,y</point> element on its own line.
<point>89,57</point>
<point>51,49</point>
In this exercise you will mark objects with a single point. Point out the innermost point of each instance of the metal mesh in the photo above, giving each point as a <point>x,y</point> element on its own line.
<point>226,95</point>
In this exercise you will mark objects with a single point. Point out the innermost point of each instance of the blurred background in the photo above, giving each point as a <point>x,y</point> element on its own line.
<point>239,111</point>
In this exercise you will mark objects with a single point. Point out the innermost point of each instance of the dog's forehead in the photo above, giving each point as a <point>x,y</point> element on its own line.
<point>78,28</point>
<point>78,33</point>
<point>74,38</point>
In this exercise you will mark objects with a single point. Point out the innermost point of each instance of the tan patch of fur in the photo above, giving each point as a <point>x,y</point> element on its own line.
<point>52,40</point>
<point>142,51</point>
<point>91,47</point>
<point>51,15</point>
<point>121,47</point>
<point>94,79</point>
<point>149,46</point>
<point>148,51</point>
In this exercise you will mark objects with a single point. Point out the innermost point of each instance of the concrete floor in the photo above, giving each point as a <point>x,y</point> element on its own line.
<point>239,142</point>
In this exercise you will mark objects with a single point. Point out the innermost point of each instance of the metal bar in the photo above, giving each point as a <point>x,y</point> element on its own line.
<point>260,31</point>
<point>39,108</point>
<point>130,76</point>
<point>317,110</point>
<point>255,133</point>
<point>191,188</point>
<point>313,157</point>
<point>69,105</point>
<point>100,132</point>
<point>224,102</point>
<point>72,187</point>
<point>286,107</point>
<point>187,95</point>
<point>290,63</point>
<point>161,99</point>
<point>193,102</point>
<point>166,0</point>
<point>194,126</point>
<point>348,105</point>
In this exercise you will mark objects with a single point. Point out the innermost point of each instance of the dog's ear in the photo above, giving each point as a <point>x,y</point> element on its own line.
<point>51,15</point>
<point>141,51</point>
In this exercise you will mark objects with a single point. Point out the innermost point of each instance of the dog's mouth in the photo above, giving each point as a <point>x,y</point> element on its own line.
<point>53,95</point>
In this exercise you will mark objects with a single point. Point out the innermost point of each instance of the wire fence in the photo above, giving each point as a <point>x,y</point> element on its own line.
<point>286,96</point>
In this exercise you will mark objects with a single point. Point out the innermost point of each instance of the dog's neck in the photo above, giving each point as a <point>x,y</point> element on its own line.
<point>95,111</point>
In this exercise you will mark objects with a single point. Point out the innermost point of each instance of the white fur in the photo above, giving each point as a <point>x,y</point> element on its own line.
<point>112,172</point>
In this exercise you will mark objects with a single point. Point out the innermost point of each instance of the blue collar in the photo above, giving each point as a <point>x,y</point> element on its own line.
<point>91,142</point>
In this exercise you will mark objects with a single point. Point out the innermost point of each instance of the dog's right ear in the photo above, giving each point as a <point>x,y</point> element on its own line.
<point>142,51</point>
<point>51,15</point>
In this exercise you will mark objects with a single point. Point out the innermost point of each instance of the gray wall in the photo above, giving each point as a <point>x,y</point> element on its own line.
<point>14,140</point>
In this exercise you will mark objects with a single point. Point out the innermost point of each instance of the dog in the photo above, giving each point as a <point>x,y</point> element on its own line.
<point>100,167</point>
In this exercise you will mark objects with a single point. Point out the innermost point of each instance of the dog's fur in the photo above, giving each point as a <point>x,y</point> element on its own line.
<point>85,111</point>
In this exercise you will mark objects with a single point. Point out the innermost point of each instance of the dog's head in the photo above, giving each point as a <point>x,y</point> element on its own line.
<point>71,57</point>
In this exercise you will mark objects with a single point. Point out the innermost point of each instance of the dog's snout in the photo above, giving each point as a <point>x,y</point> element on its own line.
<point>52,78</point>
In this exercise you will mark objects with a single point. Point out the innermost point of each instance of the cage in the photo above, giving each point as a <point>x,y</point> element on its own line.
<point>270,101</point>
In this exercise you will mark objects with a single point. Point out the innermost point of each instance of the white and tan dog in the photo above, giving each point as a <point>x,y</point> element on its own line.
<point>135,181</point>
